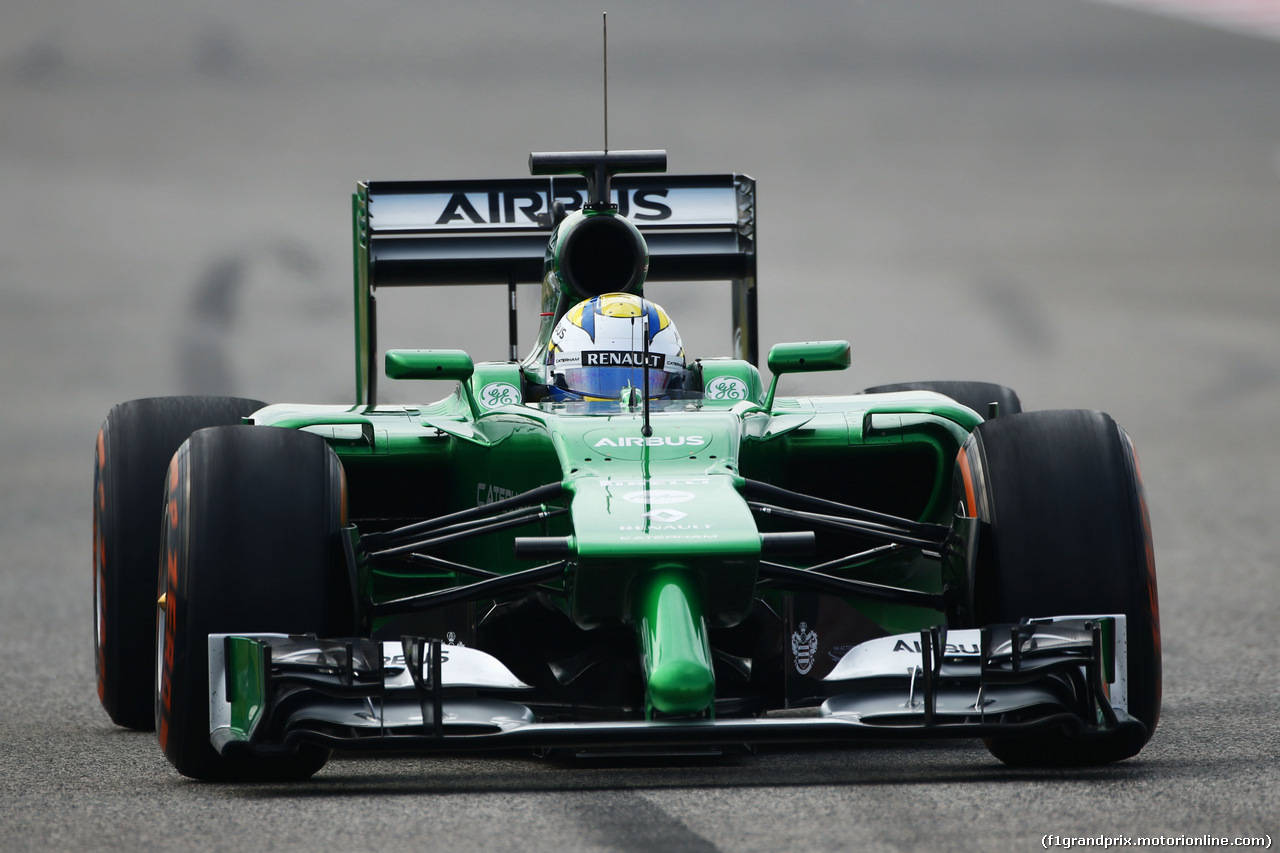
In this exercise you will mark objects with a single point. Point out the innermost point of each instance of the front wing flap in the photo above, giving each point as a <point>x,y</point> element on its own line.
<point>269,693</point>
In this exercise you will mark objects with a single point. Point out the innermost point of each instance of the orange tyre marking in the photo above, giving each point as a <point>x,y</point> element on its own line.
<point>169,602</point>
<point>970,501</point>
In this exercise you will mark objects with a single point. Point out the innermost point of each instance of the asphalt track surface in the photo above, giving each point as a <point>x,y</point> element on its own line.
<point>1078,200</point>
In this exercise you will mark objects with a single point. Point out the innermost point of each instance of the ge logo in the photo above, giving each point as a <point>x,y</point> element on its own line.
<point>499,394</point>
<point>726,388</point>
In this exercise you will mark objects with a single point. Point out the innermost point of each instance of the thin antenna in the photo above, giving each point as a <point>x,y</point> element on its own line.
<point>605,23</point>
<point>645,429</point>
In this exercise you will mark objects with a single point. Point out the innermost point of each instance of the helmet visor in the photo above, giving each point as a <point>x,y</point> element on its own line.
<point>606,383</point>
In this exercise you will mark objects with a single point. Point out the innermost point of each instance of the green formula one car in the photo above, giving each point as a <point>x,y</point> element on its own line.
<point>607,546</point>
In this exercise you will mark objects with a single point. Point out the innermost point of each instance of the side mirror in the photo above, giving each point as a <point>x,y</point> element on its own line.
<point>452,364</point>
<point>808,357</point>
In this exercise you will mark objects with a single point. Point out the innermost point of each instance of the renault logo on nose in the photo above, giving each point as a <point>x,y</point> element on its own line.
<point>666,516</point>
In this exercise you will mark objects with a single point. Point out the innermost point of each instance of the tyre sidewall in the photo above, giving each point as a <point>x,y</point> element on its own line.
<point>251,526</point>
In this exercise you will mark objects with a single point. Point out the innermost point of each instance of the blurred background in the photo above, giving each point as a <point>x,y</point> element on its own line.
<point>1012,189</point>
<point>1079,200</point>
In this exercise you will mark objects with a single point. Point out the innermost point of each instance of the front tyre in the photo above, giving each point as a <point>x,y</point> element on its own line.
<point>1065,531</point>
<point>251,544</point>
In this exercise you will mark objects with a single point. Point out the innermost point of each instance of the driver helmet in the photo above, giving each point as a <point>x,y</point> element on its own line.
<point>598,349</point>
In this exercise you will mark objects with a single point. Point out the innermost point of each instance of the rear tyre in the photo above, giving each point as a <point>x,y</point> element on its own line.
<point>133,451</point>
<point>1065,531</point>
<point>976,395</point>
<point>252,527</point>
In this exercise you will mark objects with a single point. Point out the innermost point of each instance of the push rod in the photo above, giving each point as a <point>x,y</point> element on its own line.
<point>807,579</point>
<point>532,497</point>
<point>924,530</point>
<point>469,592</point>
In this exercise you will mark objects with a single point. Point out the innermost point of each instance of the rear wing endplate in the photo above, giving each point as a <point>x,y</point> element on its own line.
<point>423,233</point>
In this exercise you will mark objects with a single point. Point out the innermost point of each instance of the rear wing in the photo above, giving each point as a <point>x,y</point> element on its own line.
<point>423,233</point>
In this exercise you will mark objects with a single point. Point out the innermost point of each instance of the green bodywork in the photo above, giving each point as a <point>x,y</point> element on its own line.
<point>660,537</point>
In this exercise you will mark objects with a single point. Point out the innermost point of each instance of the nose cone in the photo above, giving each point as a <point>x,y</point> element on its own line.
<point>677,657</point>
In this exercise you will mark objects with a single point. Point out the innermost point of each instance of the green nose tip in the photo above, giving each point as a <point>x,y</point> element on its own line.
<point>681,687</point>
<point>677,657</point>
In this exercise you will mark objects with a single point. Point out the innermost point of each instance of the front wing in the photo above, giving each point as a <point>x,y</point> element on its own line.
<point>269,693</point>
